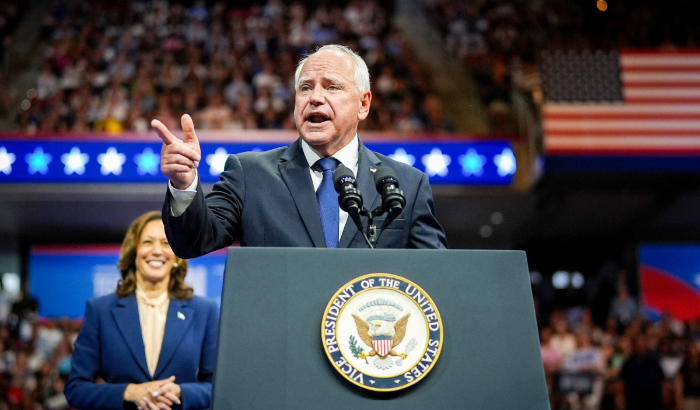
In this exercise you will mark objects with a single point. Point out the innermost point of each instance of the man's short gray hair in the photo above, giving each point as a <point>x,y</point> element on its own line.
<point>361,71</point>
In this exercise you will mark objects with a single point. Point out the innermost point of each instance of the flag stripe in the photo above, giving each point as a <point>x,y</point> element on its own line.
<point>653,69</point>
<point>663,93</point>
<point>620,108</point>
<point>616,116</point>
<point>660,85</point>
<point>659,60</point>
<point>617,124</point>
<point>666,143</point>
<point>660,77</point>
<point>653,100</point>
<point>621,133</point>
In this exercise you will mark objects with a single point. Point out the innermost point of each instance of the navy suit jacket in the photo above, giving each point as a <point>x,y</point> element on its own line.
<point>110,346</point>
<point>268,199</point>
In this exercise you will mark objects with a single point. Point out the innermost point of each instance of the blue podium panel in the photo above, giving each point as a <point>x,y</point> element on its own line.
<point>271,356</point>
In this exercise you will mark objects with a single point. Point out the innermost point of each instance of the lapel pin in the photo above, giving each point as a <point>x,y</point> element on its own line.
<point>180,316</point>
<point>372,169</point>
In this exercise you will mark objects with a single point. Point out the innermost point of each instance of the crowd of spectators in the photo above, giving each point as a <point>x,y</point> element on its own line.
<point>11,12</point>
<point>113,66</point>
<point>501,41</point>
<point>35,355</point>
<point>631,362</point>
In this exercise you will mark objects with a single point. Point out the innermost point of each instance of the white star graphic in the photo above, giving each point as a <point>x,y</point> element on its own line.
<point>401,156</point>
<point>436,163</point>
<point>111,162</point>
<point>217,161</point>
<point>505,161</point>
<point>74,161</point>
<point>6,161</point>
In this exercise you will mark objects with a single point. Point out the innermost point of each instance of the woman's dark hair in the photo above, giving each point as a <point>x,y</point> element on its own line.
<point>127,262</point>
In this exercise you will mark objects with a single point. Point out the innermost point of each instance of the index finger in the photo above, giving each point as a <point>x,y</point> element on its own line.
<point>164,134</point>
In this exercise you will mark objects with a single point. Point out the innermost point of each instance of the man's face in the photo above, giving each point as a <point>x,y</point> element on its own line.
<point>328,105</point>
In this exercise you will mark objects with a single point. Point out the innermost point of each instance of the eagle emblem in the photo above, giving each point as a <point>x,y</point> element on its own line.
<point>379,329</point>
<point>371,327</point>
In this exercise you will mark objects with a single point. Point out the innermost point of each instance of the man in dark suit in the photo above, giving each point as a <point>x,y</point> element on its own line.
<point>268,199</point>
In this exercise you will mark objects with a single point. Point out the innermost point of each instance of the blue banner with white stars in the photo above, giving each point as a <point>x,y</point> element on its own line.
<point>73,161</point>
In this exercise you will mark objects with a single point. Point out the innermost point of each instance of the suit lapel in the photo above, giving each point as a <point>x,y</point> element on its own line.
<point>365,183</point>
<point>126,314</point>
<point>295,172</point>
<point>179,319</point>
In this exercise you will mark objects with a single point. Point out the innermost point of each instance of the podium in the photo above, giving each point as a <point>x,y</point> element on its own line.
<point>270,354</point>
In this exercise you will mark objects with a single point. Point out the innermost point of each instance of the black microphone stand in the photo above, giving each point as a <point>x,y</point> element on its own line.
<point>372,236</point>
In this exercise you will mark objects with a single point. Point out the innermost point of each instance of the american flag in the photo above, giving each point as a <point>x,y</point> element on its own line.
<point>634,102</point>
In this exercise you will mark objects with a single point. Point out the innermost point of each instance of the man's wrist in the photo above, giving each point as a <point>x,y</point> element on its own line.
<point>185,187</point>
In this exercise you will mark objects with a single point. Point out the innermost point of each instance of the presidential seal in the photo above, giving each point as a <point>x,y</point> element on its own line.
<point>382,332</point>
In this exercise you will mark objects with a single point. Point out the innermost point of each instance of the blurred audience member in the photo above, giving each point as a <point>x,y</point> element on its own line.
<point>585,367</point>
<point>57,400</point>
<point>563,341</point>
<point>624,307</point>
<point>6,300</point>
<point>641,378</point>
<point>24,313</point>
<point>550,357</point>
<point>670,362</point>
<point>688,379</point>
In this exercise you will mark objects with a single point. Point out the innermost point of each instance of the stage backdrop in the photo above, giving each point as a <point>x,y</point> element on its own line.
<point>63,278</point>
<point>135,158</point>
<point>669,276</point>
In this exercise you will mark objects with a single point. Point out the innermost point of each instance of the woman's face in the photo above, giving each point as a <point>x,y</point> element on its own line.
<point>154,258</point>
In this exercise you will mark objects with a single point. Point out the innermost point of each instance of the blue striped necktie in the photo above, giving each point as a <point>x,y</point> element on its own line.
<point>327,200</point>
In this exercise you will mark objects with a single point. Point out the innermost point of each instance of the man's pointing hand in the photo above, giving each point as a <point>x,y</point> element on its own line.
<point>179,159</point>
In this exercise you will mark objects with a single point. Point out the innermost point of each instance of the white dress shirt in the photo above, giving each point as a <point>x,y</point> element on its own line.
<point>348,156</point>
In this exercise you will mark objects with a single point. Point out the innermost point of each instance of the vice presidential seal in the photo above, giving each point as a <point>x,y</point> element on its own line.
<point>382,332</point>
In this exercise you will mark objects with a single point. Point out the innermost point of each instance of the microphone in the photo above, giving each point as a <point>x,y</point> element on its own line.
<point>393,200</point>
<point>349,197</point>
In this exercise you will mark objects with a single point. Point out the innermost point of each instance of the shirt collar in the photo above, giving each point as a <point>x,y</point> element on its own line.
<point>156,302</point>
<point>348,155</point>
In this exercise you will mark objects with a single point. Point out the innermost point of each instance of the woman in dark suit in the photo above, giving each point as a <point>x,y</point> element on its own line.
<point>151,344</point>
